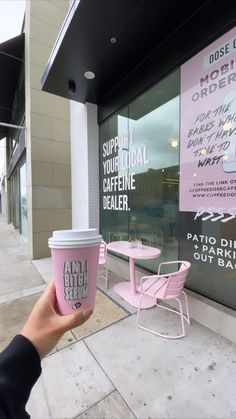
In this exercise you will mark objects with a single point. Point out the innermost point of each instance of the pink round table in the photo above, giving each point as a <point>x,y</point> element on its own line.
<point>127,290</point>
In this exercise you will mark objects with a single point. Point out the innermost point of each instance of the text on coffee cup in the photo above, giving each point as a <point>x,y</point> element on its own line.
<point>75,279</point>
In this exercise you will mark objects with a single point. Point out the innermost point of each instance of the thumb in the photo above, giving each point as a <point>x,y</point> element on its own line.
<point>75,319</point>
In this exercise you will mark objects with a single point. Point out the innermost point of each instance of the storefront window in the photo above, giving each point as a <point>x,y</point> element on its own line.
<point>14,199</point>
<point>23,201</point>
<point>185,206</point>
<point>208,169</point>
<point>114,222</point>
<point>154,202</point>
<point>139,156</point>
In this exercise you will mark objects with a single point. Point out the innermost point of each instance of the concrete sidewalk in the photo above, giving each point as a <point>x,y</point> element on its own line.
<point>109,368</point>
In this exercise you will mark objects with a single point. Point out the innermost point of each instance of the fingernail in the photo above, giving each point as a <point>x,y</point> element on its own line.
<point>87,313</point>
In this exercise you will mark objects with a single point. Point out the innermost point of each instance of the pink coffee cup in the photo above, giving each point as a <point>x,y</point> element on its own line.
<point>75,255</point>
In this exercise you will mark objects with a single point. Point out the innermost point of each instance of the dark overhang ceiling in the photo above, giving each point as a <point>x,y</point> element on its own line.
<point>11,57</point>
<point>146,32</point>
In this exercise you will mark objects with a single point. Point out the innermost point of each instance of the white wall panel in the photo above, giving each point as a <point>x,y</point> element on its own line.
<point>84,165</point>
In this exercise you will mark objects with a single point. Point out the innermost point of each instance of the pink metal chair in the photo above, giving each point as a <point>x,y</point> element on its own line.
<point>103,260</point>
<point>166,287</point>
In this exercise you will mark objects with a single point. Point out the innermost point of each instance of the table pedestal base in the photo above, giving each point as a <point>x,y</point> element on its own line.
<point>123,289</point>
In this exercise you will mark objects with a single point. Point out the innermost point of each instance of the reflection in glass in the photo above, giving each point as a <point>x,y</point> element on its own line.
<point>23,201</point>
<point>137,151</point>
<point>154,203</point>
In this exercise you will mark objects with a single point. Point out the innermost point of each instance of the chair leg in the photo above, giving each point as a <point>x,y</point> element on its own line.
<point>146,328</point>
<point>138,312</point>
<point>181,316</point>
<point>180,313</point>
<point>186,306</point>
<point>172,310</point>
<point>107,279</point>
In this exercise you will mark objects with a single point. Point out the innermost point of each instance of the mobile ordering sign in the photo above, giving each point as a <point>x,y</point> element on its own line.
<point>208,130</point>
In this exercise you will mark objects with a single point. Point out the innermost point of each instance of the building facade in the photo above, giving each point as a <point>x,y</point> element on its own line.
<point>38,172</point>
<point>152,133</point>
<point>145,122</point>
<point>48,131</point>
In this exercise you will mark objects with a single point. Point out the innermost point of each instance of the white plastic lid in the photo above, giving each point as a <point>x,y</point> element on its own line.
<point>74,238</point>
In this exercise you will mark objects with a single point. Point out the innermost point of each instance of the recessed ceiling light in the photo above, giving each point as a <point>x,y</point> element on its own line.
<point>174,142</point>
<point>227,126</point>
<point>89,75</point>
<point>113,40</point>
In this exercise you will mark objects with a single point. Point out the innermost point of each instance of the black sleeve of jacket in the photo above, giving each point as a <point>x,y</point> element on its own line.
<point>20,367</point>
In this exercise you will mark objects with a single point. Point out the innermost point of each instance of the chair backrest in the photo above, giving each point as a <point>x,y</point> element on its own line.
<point>103,252</point>
<point>176,280</point>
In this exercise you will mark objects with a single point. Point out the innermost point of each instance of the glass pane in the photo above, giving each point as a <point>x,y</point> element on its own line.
<point>154,118</point>
<point>23,201</point>
<point>113,202</point>
<point>208,169</point>
<point>139,157</point>
<point>15,199</point>
<point>210,247</point>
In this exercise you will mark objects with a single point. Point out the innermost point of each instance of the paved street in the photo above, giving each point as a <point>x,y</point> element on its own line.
<point>109,368</point>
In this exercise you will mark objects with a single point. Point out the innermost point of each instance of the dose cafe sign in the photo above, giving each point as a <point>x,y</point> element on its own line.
<point>208,132</point>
